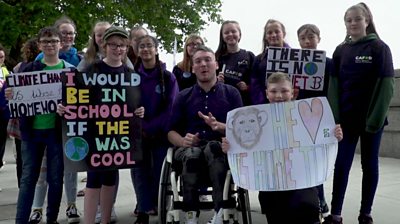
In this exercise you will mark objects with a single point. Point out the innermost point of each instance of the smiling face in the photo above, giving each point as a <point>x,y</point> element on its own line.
<point>68,35</point>
<point>147,50</point>
<point>205,66</point>
<point>50,45</point>
<point>281,91</point>
<point>356,23</point>
<point>274,35</point>
<point>231,34</point>
<point>115,48</point>
<point>99,32</point>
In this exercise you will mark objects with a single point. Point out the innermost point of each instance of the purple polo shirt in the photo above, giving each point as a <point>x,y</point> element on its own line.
<point>219,100</point>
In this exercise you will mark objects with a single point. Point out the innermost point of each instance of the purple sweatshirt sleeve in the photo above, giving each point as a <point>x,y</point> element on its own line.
<point>158,124</point>
<point>257,81</point>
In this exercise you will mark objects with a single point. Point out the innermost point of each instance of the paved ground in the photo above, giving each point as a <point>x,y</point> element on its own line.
<point>386,207</point>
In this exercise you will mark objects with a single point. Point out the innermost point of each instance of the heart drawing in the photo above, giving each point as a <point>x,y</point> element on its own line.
<point>311,116</point>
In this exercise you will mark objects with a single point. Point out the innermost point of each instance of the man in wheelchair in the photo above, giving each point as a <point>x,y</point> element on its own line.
<point>196,131</point>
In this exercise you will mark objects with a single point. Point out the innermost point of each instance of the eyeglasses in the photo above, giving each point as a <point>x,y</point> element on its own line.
<point>46,42</point>
<point>148,46</point>
<point>114,46</point>
<point>65,33</point>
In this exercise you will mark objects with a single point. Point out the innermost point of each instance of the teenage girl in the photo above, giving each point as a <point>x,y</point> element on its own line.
<point>360,91</point>
<point>94,50</point>
<point>234,64</point>
<point>274,34</point>
<point>183,70</point>
<point>135,34</point>
<point>158,88</point>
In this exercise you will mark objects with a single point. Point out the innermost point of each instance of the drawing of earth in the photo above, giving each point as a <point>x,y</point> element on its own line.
<point>76,148</point>
<point>310,68</point>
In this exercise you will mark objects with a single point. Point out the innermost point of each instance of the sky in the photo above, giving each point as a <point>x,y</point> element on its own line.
<point>326,14</point>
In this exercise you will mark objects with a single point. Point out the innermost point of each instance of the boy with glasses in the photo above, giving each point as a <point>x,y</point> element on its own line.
<point>42,132</point>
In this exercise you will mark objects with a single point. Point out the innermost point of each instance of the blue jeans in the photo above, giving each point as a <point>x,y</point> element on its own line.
<point>70,180</point>
<point>32,153</point>
<point>146,176</point>
<point>41,186</point>
<point>370,143</point>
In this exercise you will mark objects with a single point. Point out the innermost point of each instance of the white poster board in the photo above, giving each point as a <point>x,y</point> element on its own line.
<point>35,93</point>
<point>282,146</point>
<point>306,67</point>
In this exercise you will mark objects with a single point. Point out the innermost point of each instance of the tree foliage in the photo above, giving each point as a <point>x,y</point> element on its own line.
<point>169,19</point>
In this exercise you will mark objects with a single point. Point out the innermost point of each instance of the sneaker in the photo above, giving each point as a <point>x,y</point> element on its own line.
<point>217,218</point>
<point>72,214</point>
<point>365,219</point>
<point>324,210</point>
<point>329,220</point>
<point>36,217</point>
<point>191,217</point>
<point>113,218</point>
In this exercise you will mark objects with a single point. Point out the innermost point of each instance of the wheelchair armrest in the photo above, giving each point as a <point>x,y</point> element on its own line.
<point>170,155</point>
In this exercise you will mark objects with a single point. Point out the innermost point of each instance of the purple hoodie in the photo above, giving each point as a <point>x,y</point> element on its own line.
<point>157,105</point>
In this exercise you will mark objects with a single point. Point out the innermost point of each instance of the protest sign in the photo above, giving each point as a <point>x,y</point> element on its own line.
<point>306,67</point>
<point>34,93</point>
<point>100,130</point>
<point>282,146</point>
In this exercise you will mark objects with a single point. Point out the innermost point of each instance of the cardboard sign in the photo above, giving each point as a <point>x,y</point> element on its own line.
<point>282,146</point>
<point>100,129</point>
<point>35,93</point>
<point>306,67</point>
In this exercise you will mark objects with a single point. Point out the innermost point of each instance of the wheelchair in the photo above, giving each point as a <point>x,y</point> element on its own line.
<point>235,199</point>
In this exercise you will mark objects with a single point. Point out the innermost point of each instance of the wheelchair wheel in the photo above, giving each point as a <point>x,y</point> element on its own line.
<point>244,205</point>
<point>165,199</point>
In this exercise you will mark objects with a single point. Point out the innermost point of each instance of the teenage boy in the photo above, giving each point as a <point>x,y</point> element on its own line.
<point>42,132</point>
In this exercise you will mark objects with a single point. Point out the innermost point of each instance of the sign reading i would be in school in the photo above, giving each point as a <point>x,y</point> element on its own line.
<point>306,67</point>
<point>100,130</point>
<point>34,93</point>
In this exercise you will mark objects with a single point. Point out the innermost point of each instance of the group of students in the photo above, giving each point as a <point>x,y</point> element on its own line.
<point>187,109</point>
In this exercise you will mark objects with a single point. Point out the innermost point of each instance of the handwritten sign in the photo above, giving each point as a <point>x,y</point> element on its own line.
<point>306,67</point>
<point>282,146</point>
<point>100,130</point>
<point>35,93</point>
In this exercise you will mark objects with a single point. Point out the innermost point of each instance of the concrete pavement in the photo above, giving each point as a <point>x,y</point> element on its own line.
<point>386,208</point>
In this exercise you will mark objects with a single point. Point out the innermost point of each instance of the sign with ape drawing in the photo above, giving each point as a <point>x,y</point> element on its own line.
<point>282,146</point>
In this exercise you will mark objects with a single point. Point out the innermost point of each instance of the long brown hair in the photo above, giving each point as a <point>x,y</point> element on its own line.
<point>368,16</point>
<point>92,47</point>
<point>265,43</point>
<point>222,47</point>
